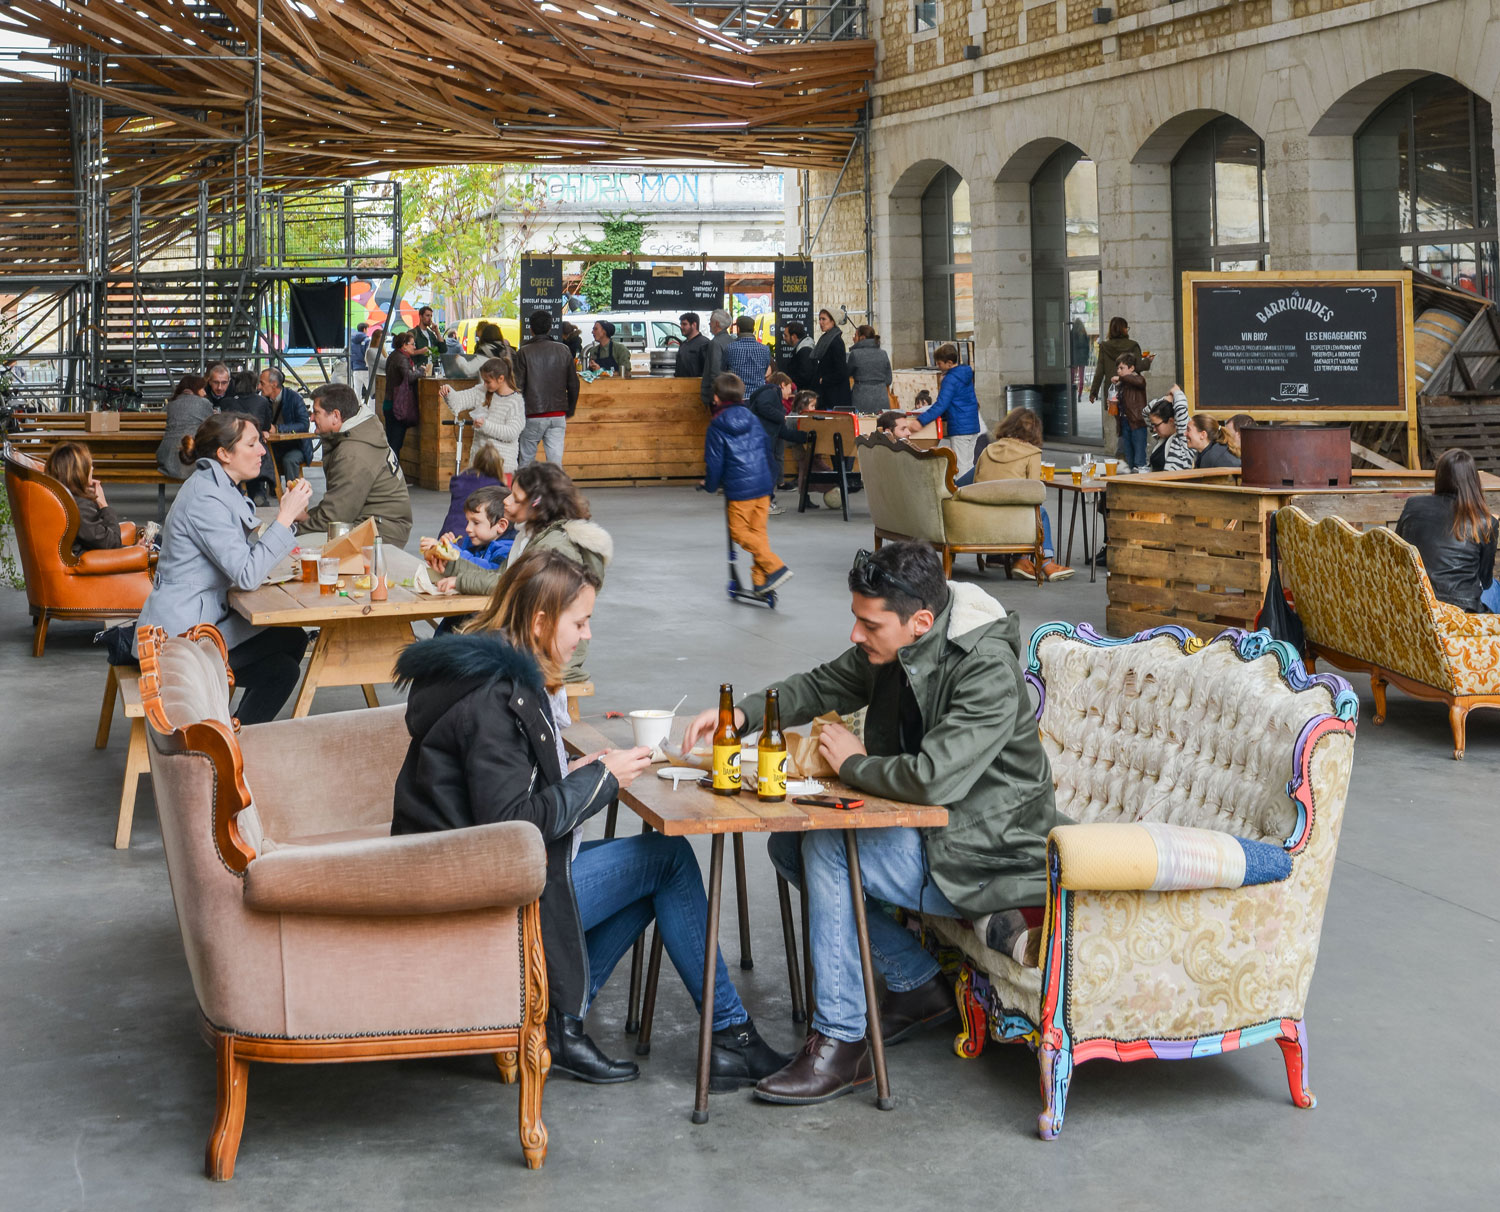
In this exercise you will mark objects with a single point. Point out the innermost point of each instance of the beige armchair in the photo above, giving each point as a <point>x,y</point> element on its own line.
<point>311,934</point>
<point>912,496</point>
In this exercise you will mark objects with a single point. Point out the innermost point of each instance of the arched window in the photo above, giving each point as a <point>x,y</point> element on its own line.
<point>947,260</point>
<point>1425,183</point>
<point>1065,292</point>
<point>1219,212</point>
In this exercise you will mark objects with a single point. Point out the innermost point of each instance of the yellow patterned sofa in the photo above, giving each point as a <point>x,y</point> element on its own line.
<point>1225,746</point>
<point>1367,605</point>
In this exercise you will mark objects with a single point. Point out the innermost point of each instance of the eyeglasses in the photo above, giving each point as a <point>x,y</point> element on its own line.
<point>864,563</point>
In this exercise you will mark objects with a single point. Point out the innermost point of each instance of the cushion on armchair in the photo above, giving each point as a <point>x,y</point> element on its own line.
<point>1004,492</point>
<point>1155,857</point>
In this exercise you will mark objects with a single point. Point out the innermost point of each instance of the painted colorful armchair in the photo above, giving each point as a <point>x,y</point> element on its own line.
<point>1184,908</point>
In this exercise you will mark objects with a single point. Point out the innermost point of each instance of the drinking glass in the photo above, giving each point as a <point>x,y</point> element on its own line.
<point>328,575</point>
<point>310,565</point>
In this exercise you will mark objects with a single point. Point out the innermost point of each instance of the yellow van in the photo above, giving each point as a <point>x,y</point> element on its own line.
<point>765,328</point>
<point>510,329</point>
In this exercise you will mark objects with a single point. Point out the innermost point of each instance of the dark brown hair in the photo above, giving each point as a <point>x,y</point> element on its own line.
<point>781,379</point>
<point>1022,424</point>
<point>804,399</point>
<point>1210,426</point>
<point>71,465</point>
<point>488,461</point>
<point>400,339</point>
<point>499,368</point>
<point>866,332</point>
<point>886,421</point>
<point>946,353</point>
<point>336,397</point>
<point>1457,477</point>
<point>541,583</point>
<point>488,331</point>
<point>1119,328</point>
<point>222,431</point>
<point>190,385</point>
<point>489,500</point>
<point>553,496</point>
<point>729,388</point>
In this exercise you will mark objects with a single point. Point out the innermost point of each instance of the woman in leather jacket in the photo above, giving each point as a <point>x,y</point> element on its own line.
<point>485,713</point>
<point>1454,532</point>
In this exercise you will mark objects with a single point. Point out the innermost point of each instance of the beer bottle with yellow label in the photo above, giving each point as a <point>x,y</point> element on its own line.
<point>770,772</point>
<point>726,746</point>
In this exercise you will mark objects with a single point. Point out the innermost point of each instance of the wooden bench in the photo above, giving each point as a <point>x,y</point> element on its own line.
<point>576,691</point>
<point>124,682</point>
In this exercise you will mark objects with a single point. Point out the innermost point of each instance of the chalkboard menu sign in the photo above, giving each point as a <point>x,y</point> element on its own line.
<point>541,290</point>
<point>794,296</point>
<point>1327,346</point>
<point>700,290</point>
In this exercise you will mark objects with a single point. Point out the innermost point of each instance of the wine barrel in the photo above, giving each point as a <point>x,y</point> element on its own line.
<point>1433,336</point>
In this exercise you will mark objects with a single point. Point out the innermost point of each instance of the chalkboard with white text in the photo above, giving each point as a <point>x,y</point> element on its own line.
<point>1269,343</point>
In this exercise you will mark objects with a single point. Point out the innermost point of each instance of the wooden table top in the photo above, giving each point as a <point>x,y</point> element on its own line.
<point>136,434</point>
<point>689,809</point>
<point>294,603</point>
<point>1087,487</point>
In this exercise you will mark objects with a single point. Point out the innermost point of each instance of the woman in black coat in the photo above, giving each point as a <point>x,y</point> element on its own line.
<point>1454,531</point>
<point>485,713</point>
<point>834,392</point>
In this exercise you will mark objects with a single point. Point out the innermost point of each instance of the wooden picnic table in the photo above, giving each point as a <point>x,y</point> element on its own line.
<point>686,810</point>
<point>358,640</point>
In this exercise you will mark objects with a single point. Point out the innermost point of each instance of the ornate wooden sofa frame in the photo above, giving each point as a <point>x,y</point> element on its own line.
<point>1367,606</point>
<point>1116,972</point>
<point>293,938</point>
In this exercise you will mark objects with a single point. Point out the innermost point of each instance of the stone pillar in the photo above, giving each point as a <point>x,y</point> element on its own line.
<point>898,274</point>
<point>1309,193</point>
<point>1135,249</point>
<point>990,282</point>
<point>1008,250</point>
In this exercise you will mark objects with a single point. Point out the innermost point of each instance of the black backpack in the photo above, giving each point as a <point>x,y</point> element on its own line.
<point>1276,613</point>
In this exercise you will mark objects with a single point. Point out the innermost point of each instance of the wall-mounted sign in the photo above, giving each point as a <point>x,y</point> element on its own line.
<point>793,286</point>
<point>541,290</point>
<point>668,288</point>
<point>1289,346</point>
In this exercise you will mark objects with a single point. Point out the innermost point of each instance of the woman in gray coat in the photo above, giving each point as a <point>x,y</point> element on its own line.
<point>188,408</point>
<point>871,370</point>
<point>208,547</point>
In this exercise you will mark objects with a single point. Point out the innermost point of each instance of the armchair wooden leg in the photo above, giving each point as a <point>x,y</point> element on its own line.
<point>974,1020</point>
<point>1458,720</point>
<point>107,711</point>
<point>1056,1063</point>
<point>509,1065</point>
<point>39,638</point>
<point>1293,1041</point>
<point>1377,688</point>
<point>535,1058</point>
<point>229,1115</point>
<point>947,563</point>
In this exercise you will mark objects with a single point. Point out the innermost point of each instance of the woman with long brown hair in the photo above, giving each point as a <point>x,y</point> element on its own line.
<point>72,466</point>
<point>1454,532</point>
<point>486,711</point>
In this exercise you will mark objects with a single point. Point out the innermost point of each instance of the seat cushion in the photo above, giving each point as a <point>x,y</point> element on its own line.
<point>998,525</point>
<point>358,834</point>
<point>1016,988</point>
<point>194,686</point>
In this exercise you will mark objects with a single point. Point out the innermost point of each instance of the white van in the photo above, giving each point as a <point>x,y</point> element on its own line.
<point>643,333</point>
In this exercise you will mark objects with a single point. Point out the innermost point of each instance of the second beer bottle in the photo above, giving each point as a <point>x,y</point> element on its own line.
<point>726,746</point>
<point>770,771</point>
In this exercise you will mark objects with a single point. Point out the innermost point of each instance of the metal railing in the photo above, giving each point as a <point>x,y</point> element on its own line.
<point>781,21</point>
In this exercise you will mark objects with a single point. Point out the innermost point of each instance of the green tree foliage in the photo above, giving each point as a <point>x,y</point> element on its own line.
<point>622,234</point>
<point>464,228</point>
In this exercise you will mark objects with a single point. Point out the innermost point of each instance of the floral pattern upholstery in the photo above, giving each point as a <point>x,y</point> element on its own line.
<point>1367,595</point>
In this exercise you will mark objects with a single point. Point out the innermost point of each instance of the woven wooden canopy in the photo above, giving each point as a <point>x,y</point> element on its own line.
<point>352,87</point>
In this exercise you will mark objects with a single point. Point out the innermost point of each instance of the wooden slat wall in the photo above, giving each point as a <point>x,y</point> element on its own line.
<point>38,221</point>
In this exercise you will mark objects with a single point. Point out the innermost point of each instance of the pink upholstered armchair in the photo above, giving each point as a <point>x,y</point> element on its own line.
<point>313,935</point>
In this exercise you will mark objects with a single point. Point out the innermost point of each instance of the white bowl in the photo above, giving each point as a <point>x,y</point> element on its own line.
<point>651,728</point>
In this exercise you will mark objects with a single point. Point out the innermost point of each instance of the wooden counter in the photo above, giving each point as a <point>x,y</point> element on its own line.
<point>626,431</point>
<point>1189,547</point>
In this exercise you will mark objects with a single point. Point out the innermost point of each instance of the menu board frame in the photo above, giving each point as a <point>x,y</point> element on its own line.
<point>534,272</point>
<point>1399,407</point>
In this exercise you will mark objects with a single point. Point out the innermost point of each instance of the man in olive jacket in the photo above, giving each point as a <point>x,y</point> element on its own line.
<point>948,722</point>
<point>363,477</point>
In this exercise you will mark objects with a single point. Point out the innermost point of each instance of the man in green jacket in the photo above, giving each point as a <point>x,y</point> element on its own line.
<point>363,478</point>
<point>948,721</point>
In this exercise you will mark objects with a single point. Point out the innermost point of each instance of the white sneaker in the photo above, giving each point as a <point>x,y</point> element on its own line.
<point>776,509</point>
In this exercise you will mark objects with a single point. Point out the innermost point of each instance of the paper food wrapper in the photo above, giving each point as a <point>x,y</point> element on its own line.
<point>421,582</point>
<point>351,559</point>
<point>803,759</point>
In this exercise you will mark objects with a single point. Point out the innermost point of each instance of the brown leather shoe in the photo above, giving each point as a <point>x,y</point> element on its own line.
<point>824,1069</point>
<point>904,1014</point>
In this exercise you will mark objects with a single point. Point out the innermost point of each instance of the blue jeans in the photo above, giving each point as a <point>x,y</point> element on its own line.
<point>621,884</point>
<point>1133,443</point>
<point>547,432</point>
<point>893,867</point>
<point>1490,598</point>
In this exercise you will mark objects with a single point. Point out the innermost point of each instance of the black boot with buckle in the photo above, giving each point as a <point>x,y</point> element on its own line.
<point>741,1058</point>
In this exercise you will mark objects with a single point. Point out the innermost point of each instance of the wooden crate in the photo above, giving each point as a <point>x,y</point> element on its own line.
<point>1472,424</point>
<point>1189,547</point>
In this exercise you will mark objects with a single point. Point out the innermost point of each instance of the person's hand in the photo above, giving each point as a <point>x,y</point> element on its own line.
<point>579,763</point>
<point>1093,399</point>
<point>627,764</point>
<point>447,585</point>
<point>444,390</point>
<point>434,560</point>
<point>703,723</point>
<point>96,490</point>
<point>294,502</point>
<point>271,431</point>
<point>450,538</point>
<point>424,545</point>
<point>1115,379</point>
<point>837,745</point>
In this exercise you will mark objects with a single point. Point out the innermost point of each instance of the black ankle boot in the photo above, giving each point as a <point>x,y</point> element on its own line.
<point>576,1055</point>
<point>741,1058</point>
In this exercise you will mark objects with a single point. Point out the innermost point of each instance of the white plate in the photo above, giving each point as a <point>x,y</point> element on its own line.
<point>680,774</point>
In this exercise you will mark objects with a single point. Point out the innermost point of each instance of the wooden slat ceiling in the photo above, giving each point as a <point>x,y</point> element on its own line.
<point>353,87</point>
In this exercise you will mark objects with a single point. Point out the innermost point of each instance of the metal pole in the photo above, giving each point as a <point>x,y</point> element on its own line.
<point>869,226</point>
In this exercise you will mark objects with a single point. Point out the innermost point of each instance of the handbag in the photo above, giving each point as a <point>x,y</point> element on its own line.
<point>1276,613</point>
<point>404,403</point>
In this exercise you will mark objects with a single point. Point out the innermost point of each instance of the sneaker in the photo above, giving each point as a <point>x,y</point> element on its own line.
<point>1053,571</point>
<point>1024,568</point>
<point>776,509</point>
<point>776,580</point>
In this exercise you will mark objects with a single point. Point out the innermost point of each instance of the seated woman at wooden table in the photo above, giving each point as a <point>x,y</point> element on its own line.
<point>1014,452</point>
<point>1455,533</point>
<point>72,466</point>
<point>486,711</point>
<point>1206,437</point>
<point>207,550</point>
<point>188,408</point>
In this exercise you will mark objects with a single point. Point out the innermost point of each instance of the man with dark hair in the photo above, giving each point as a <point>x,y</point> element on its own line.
<point>693,349</point>
<point>936,666</point>
<point>547,378</point>
<point>216,375</point>
<point>427,342</point>
<point>362,475</point>
<point>288,415</point>
<point>747,357</point>
<point>797,355</point>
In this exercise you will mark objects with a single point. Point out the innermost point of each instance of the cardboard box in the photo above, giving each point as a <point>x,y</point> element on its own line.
<point>101,422</point>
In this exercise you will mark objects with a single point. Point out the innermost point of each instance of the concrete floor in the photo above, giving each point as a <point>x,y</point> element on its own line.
<point>106,1090</point>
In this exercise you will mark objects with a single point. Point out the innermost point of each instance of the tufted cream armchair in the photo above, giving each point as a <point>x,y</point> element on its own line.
<point>311,934</point>
<point>1157,943</point>
<point>912,496</point>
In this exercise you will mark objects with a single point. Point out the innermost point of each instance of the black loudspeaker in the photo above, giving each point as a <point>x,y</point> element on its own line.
<point>318,312</point>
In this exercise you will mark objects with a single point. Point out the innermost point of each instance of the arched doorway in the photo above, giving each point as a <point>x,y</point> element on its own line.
<point>1425,185</point>
<point>1220,219</point>
<point>1065,292</point>
<point>947,259</point>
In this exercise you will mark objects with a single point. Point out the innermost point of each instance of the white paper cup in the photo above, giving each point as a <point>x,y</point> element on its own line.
<point>651,728</point>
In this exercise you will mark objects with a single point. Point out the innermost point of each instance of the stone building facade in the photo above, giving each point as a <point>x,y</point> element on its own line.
<point>1300,125</point>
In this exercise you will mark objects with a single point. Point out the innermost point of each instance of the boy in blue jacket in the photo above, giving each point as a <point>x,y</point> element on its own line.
<point>485,542</point>
<point>956,401</point>
<point>737,457</point>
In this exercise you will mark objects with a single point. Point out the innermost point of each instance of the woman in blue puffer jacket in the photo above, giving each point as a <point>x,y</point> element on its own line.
<point>957,402</point>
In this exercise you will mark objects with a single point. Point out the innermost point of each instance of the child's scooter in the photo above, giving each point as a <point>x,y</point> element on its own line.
<point>739,592</point>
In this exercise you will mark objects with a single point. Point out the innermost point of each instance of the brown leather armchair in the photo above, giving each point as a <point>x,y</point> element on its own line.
<point>60,585</point>
<point>311,934</point>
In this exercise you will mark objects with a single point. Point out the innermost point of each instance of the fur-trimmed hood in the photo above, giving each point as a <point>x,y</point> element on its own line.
<point>591,537</point>
<point>446,668</point>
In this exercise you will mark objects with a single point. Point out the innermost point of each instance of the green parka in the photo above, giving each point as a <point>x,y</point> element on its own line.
<point>981,756</point>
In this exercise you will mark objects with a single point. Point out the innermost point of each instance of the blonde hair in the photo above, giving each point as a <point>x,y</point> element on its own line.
<point>540,585</point>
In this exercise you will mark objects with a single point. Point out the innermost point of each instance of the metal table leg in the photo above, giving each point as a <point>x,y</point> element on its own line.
<point>742,902</point>
<point>710,955</point>
<point>1072,522</point>
<point>789,940</point>
<point>883,1098</point>
<point>1090,534</point>
<point>807,961</point>
<point>648,1009</point>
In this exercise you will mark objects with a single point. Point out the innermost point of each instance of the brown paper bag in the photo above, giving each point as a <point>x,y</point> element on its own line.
<point>803,758</point>
<point>351,559</point>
